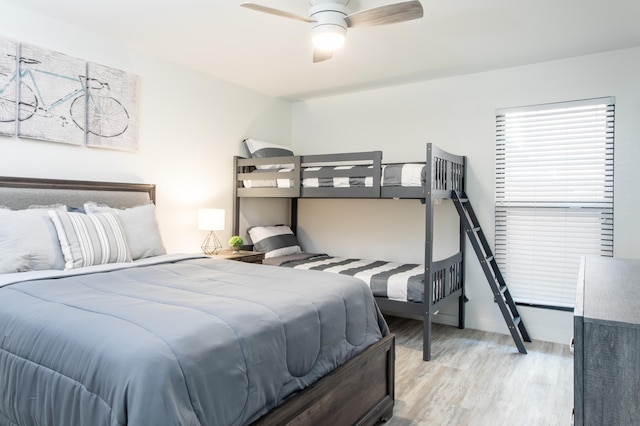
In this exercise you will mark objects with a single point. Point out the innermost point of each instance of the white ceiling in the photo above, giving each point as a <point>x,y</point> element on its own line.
<point>273,55</point>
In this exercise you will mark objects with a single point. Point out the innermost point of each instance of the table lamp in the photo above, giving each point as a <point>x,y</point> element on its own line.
<point>211,220</point>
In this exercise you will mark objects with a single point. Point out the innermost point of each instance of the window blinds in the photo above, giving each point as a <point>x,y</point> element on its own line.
<point>554,196</point>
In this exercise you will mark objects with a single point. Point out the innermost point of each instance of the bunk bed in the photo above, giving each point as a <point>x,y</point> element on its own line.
<point>364,175</point>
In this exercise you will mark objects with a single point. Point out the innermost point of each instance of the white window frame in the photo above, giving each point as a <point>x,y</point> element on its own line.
<point>554,196</point>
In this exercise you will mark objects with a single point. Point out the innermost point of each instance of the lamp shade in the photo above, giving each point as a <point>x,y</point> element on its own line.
<point>211,219</point>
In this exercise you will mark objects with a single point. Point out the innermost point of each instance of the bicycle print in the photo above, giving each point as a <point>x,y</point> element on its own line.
<point>64,99</point>
<point>8,94</point>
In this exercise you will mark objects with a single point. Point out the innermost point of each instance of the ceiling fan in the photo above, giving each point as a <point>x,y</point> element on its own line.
<point>330,19</point>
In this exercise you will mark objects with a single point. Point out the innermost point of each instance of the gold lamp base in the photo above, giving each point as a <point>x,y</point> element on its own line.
<point>211,244</point>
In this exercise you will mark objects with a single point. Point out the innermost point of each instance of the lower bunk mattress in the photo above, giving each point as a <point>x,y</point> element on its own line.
<point>172,340</point>
<point>396,281</point>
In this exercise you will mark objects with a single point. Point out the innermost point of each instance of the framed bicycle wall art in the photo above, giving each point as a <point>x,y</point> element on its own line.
<point>50,96</point>
<point>8,86</point>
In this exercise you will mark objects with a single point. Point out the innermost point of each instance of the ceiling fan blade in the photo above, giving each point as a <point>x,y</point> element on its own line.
<point>389,14</point>
<point>321,55</point>
<point>276,12</point>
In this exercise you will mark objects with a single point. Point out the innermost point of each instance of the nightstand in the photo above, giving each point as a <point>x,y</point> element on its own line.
<point>242,256</point>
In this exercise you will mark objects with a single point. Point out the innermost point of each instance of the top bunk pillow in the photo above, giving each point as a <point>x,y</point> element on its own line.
<point>140,228</point>
<point>260,149</point>
<point>28,240</point>
<point>274,241</point>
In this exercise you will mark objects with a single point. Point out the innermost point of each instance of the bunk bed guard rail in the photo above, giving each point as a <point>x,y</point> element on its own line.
<point>287,175</point>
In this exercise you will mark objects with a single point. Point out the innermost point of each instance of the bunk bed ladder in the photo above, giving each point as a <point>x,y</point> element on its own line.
<point>489,265</point>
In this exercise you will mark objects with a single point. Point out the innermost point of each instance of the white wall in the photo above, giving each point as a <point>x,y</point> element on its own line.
<point>190,127</point>
<point>458,114</point>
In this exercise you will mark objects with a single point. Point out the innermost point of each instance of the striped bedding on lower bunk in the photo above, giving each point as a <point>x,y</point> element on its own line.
<point>395,281</point>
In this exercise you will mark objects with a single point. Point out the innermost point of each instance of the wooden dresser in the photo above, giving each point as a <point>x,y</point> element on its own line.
<point>607,342</point>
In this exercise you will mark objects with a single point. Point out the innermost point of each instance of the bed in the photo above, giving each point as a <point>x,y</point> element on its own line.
<point>274,171</point>
<point>126,334</point>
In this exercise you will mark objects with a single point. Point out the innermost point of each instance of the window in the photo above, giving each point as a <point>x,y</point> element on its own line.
<point>554,196</point>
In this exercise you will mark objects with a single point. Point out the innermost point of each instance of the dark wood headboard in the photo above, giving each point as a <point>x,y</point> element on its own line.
<point>19,192</point>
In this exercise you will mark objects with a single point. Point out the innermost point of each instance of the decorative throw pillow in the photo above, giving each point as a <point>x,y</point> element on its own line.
<point>90,239</point>
<point>140,228</point>
<point>30,233</point>
<point>259,149</point>
<point>274,241</point>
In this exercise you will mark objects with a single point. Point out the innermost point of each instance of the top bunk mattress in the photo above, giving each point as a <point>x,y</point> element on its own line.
<point>393,175</point>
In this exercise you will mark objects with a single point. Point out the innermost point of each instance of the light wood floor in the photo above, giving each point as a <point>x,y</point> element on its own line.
<point>479,378</point>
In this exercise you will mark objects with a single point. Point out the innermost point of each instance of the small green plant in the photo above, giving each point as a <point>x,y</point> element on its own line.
<point>236,241</point>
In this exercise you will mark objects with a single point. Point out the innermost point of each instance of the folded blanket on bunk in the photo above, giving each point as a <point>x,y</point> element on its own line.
<point>267,183</point>
<point>396,281</point>
<point>404,175</point>
<point>341,181</point>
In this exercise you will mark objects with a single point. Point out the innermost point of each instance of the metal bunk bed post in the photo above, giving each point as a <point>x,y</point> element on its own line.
<point>428,257</point>
<point>293,215</point>
<point>462,300</point>
<point>236,199</point>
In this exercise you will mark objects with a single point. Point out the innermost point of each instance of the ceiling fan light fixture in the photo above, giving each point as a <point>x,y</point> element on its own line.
<point>328,37</point>
<point>330,19</point>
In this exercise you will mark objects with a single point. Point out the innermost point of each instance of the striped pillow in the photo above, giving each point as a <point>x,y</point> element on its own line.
<point>259,149</point>
<point>90,239</point>
<point>140,228</point>
<point>274,241</point>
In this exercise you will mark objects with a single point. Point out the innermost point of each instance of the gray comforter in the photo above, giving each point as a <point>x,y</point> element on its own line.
<point>188,342</point>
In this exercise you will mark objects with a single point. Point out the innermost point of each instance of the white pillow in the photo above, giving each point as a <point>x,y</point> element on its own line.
<point>140,228</point>
<point>30,234</point>
<point>90,239</point>
<point>11,261</point>
<point>260,149</point>
<point>274,241</point>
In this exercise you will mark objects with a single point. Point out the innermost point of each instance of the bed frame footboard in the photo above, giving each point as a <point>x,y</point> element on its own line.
<point>360,392</point>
